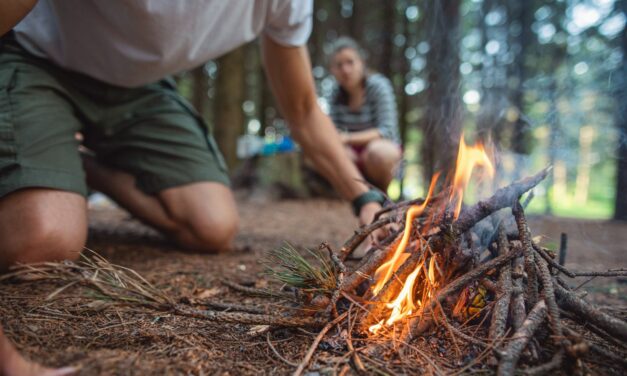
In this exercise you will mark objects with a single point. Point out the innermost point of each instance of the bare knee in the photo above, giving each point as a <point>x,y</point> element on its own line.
<point>383,154</point>
<point>380,159</point>
<point>214,232</point>
<point>46,240</point>
<point>41,225</point>
<point>204,216</point>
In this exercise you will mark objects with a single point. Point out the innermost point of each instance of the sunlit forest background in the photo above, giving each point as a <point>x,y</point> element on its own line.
<point>543,80</point>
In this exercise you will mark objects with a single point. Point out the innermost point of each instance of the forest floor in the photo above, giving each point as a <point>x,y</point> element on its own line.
<point>109,338</point>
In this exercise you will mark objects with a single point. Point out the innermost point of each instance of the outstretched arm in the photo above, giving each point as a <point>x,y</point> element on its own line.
<point>289,72</point>
<point>12,12</point>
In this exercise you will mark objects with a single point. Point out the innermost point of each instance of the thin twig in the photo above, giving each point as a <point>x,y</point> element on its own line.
<point>314,345</point>
<point>361,235</point>
<point>349,343</point>
<point>257,292</point>
<point>277,353</point>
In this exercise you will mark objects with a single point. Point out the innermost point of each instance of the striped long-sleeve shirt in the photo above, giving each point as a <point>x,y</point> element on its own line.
<point>378,111</point>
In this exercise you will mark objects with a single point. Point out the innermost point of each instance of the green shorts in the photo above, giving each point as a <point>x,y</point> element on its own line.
<point>150,132</point>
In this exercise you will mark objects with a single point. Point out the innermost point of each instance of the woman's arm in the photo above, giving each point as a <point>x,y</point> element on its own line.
<point>289,72</point>
<point>360,138</point>
<point>12,12</point>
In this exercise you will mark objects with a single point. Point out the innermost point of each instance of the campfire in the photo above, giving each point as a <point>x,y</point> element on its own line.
<point>415,241</point>
<point>449,266</point>
<point>471,277</point>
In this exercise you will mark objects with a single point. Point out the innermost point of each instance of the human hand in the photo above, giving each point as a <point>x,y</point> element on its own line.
<point>367,213</point>
<point>366,217</point>
<point>345,137</point>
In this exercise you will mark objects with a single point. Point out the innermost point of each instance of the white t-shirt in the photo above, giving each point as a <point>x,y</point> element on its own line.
<point>134,42</point>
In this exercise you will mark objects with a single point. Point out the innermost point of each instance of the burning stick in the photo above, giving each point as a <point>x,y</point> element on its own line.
<point>504,197</point>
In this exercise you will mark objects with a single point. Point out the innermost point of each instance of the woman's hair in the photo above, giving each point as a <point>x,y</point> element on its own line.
<point>344,42</point>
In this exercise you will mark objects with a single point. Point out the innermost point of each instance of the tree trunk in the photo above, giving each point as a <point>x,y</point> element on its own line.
<point>520,138</point>
<point>387,38</point>
<point>356,21</point>
<point>442,121</point>
<point>229,117</point>
<point>620,207</point>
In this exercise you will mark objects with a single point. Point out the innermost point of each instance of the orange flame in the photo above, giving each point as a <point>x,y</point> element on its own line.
<point>406,303</point>
<point>388,268</point>
<point>467,159</point>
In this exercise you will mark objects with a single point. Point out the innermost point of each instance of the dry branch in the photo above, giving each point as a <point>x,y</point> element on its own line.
<point>620,272</point>
<point>368,266</point>
<point>501,307</point>
<point>248,318</point>
<point>257,292</point>
<point>587,313</point>
<point>521,337</point>
<point>518,307</point>
<point>549,297</point>
<point>360,235</point>
<point>504,197</point>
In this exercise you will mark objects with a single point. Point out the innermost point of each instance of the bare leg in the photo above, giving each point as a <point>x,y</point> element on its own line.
<point>200,216</point>
<point>39,224</point>
<point>13,364</point>
<point>380,160</point>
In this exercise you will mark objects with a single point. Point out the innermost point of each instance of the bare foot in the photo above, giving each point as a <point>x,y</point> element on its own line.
<point>13,364</point>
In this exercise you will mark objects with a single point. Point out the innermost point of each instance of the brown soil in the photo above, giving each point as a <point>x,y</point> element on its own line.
<point>109,338</point>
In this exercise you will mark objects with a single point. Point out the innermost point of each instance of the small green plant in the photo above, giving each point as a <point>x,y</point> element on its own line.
<point>288,266</point>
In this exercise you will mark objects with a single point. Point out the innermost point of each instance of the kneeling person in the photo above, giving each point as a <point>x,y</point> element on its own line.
<point>102,69</point>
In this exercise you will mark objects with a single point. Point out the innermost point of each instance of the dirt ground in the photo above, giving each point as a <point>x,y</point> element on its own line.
<point>104,338</point>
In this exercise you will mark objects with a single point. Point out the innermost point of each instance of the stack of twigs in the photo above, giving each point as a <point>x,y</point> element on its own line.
<point>532,311</point>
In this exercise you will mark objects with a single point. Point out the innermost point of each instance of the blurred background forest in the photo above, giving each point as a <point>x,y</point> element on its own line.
<point>544,80</point>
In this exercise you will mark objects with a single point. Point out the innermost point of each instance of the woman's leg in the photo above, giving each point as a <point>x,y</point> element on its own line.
<point>380,160</point>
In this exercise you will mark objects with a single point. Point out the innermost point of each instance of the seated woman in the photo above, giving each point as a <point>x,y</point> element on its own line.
<point>363,108</point>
